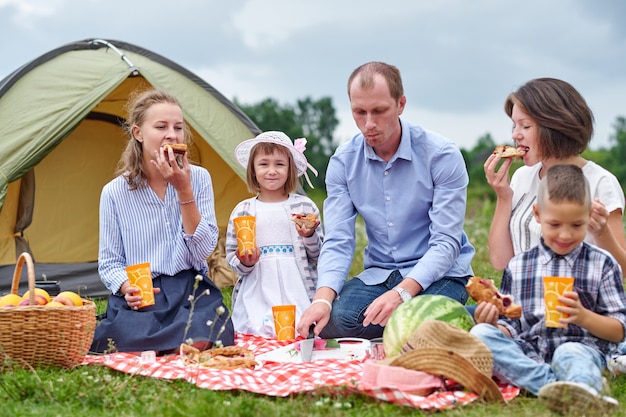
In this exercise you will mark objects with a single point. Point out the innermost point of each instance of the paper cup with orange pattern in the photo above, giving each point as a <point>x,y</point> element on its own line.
<point>245,229</point>
<point>140,276</point>
<point>553,288</point>
<point>285,321</point>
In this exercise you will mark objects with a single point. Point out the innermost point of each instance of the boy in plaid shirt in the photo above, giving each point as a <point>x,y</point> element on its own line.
<point>563,366</point>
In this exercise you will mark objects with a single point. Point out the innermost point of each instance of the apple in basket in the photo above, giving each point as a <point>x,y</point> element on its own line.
<point>68,298</point>
<point>41,298</point>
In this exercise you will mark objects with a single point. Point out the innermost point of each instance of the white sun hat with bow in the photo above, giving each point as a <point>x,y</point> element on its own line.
<point>297,148</point>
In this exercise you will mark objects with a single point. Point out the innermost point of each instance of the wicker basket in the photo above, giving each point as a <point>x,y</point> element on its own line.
<point>41,336</point>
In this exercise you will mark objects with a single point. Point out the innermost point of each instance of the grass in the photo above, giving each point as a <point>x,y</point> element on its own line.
<point>99,391</point>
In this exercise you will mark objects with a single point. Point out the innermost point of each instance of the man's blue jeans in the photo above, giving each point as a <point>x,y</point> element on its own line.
<point>346,318</point>
<point>574,362</point>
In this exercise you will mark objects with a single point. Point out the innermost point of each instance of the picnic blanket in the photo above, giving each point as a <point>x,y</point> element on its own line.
<point>283,379</point>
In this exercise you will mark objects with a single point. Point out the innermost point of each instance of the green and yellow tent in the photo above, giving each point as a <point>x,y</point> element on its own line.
<point>60,140</point>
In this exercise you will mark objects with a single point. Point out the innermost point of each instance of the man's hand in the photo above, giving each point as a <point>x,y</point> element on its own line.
<point>318,312</point>
<point>381,308</point>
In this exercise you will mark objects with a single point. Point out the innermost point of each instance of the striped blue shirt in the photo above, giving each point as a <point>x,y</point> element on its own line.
<point>597,280</point>
<point>137,226</point>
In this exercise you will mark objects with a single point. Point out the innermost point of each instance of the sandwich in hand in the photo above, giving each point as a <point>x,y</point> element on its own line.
<point>481,289</point>
<point>509,151</point>
<point>306,220</point>
<point>178,148</point>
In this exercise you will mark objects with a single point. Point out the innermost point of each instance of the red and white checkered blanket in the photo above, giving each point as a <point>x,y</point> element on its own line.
<point>283,379</point>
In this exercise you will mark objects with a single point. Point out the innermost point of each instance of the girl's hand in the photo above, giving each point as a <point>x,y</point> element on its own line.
<point>306,231</point>
<point>249,257</point>
<point>498,179</point>
<point>486,313</point>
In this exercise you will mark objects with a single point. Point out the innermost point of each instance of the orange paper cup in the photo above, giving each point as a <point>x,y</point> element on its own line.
<point>285,321</point>
<point>139,276</point>
<point>553,288</point>
<point>245,228</point>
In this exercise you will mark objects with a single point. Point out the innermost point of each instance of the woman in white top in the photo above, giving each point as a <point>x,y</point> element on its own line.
<point>553,124</point>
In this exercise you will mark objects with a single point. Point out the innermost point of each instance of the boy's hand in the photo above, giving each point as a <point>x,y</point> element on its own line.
<point>486,313</point>
<point>574,309</point>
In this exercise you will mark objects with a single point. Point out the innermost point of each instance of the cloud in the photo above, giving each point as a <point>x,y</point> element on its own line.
<point>459,60</point>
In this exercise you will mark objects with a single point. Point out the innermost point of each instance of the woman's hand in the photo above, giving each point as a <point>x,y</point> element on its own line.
<point>498,179</point>
<point>598,218</point>
<point>132,295</point>
<point>177,175</point>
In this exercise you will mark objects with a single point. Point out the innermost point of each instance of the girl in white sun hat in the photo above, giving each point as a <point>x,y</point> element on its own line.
<point>282,268</point>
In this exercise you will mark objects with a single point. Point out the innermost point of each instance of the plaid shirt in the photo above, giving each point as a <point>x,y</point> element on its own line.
<point>597,280</point>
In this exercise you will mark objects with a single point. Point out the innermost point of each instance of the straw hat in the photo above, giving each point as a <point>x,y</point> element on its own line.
<point>444,350</point>
<point>242,151</point>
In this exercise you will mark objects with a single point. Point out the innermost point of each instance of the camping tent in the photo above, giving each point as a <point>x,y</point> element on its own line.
<point>60,141</point>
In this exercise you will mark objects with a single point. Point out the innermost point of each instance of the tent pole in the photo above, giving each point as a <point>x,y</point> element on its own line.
<point>131,67</point>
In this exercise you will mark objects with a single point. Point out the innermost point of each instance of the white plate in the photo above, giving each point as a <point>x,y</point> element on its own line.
<point>350,349</point>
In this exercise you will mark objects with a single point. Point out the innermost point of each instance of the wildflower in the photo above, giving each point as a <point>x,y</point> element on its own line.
<point>220,310</point>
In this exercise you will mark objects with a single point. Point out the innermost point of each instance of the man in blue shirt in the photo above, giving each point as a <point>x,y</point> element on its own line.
<point>409,186</point>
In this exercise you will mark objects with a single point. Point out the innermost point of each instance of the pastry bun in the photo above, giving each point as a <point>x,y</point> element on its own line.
<point>482,289</point>
<point>178,148</point>
<point>306,220</point>
<point>508,151</point>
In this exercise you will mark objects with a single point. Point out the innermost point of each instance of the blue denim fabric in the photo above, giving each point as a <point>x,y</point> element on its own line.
<point>571,361</point>
<point>471,309</point>
<point>346,318</point>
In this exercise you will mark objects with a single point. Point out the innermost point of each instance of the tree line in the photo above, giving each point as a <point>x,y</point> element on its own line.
<point>316,120</point>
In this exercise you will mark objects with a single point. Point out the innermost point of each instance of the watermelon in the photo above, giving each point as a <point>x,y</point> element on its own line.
<point>408,317</point>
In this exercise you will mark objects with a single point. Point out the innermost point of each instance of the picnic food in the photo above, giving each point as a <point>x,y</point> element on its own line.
<point>508,151</point>
<point>68,298</point>
<point>228,357</point>
<point>179,148</point>
<point>10,300</point>
<point>41,297</point>
<point>409,315</point>
<point>306,220</point>
<point>482,289</point>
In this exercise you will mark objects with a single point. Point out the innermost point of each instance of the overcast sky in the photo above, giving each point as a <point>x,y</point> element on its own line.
<point>459,59</point>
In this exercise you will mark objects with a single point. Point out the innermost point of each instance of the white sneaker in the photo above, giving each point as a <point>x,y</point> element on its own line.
<point>617,365</point>
<point>566,396</point>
